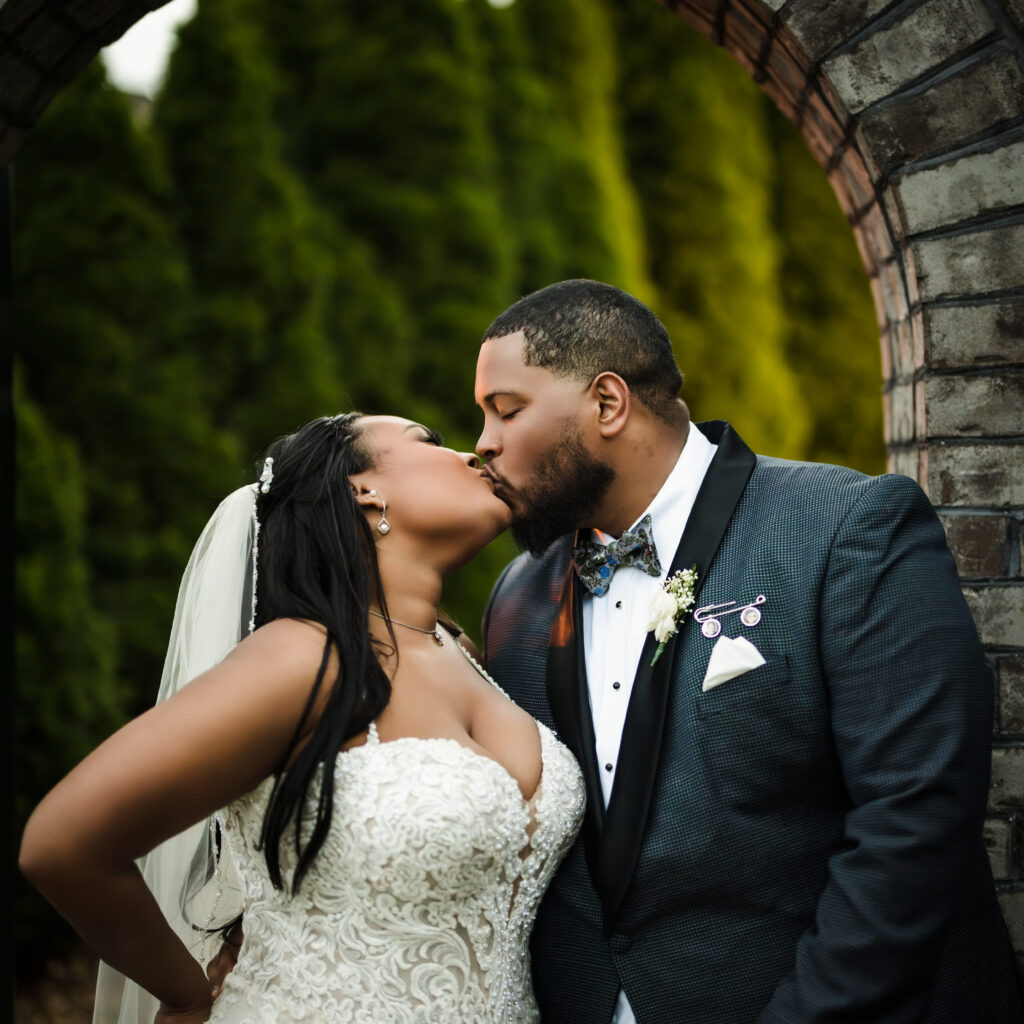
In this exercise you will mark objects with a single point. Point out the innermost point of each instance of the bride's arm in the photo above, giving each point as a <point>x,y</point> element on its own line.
<point>176,764</point>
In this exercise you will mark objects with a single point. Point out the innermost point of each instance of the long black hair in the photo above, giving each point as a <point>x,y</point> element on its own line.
<point>317,561</point>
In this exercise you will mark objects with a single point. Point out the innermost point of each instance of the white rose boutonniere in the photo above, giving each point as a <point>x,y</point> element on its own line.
<point>669,607</point>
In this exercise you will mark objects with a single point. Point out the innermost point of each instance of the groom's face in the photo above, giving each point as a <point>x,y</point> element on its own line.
<point>533,441</point>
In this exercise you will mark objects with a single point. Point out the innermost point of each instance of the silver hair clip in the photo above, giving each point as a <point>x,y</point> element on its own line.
<point>267,476</point>
<point>711,627</point>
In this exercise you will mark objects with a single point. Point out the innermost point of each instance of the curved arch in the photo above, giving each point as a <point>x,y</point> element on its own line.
<point>915,110</point>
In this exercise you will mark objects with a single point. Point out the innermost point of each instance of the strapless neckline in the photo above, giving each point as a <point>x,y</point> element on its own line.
<point>473,754</point>
<point>373,738</point>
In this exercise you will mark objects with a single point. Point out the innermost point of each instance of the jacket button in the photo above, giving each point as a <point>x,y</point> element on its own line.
<point>621,943</point>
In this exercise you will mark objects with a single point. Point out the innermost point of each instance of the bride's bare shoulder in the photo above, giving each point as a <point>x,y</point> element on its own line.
<point>293,644</point>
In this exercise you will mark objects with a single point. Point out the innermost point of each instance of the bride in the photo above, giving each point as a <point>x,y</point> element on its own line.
<point>341,771</point>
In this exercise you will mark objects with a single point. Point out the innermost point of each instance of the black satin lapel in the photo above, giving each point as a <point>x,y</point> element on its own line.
<point>639,752</point>
<point>569,701</point>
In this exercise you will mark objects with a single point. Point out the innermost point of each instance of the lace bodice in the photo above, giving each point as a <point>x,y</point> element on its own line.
<point>419,906</point>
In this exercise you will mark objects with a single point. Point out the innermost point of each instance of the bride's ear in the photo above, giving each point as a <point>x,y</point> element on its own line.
<point>367,497</point>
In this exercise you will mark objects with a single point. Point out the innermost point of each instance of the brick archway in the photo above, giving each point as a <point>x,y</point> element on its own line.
<point>915,110</point>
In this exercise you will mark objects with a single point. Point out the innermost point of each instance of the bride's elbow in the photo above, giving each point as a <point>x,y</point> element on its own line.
<point>44,855</point>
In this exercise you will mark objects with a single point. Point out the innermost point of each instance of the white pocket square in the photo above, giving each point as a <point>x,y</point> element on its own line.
<point>730,658</point>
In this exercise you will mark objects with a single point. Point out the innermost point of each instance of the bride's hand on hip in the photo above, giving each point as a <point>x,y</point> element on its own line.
<point>224,962</point>
<point>191,1015</point>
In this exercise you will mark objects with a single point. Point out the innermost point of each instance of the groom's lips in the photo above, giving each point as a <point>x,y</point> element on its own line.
<point>500,487</point>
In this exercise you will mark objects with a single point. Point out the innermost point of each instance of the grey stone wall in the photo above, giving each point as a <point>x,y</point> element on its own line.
<point>915,110</point>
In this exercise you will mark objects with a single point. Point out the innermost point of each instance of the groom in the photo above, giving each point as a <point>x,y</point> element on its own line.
<point>784,806</point>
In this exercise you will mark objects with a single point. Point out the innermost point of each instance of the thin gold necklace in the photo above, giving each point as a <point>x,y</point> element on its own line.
<point>435,632</point>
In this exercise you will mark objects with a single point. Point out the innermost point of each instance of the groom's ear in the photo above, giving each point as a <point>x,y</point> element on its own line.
<point>612,399</point>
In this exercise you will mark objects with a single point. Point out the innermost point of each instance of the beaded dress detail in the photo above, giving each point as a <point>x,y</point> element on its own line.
<point>419,906</point>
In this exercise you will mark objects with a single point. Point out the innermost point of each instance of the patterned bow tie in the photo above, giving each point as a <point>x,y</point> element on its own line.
<point>596,563</point>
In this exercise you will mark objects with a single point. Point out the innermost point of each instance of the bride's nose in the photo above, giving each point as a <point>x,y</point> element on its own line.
<point>470,459</point>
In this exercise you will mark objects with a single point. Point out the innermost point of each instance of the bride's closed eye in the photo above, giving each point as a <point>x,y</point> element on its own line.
<point>432,437</point>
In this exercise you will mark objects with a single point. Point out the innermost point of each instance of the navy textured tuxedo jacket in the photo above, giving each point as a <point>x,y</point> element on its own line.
<point>802,843</point>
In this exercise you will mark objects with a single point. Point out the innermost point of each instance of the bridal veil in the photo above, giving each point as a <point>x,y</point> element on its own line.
<point>187,875</point>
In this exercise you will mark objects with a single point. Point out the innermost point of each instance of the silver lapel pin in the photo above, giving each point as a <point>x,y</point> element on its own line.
<point>750,615</point>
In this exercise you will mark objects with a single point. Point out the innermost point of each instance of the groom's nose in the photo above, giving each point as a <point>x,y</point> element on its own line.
<point>486,446</point>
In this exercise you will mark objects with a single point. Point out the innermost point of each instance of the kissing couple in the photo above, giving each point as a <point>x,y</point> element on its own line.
<point>724,758</point>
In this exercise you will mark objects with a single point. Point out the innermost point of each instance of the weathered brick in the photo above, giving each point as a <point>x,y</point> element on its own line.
<point>979,475</point>
<point>974,335</point>
<point>745,30</point>
<point>999,614</point>
<point>980,544</point>
<point>917,338</point>
<point>901,338</point>
<point>46,40</point>
<point>18,80</point>
<point>887,341</point>
<point>823,131</point>
<point>903,461</point>
<point>894,56</point>
<point>962,188</point>
<point>821,25</point>
<point>855,180</point>
<point>887,283</point>
<point>920,412</point>
<point>975,406</point>
<point>917,126</point>
<point>898,413</point>
<point>1016,9</point>
<point>92,14</point>
<point>1012,906</point>
<point>15,14</point>
<point>1007,787</point>
<point>1010,669</point>
<point>969,264</point>
<point>997,835</point>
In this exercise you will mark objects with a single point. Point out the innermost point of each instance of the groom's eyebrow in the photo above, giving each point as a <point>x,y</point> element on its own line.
<point>489,398</point>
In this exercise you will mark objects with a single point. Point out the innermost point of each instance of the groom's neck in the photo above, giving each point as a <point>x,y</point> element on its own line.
<point>642,461</point>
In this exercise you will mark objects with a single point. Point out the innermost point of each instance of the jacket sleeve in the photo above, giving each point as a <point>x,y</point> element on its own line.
<point>911,709</point>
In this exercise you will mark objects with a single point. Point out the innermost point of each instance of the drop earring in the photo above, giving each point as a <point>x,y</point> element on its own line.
<point>383,526</point>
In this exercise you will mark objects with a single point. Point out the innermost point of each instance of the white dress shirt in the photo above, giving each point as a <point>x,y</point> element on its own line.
<point>615,624</point>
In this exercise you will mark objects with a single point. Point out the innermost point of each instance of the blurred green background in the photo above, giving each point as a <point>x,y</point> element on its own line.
<point>325,206</point>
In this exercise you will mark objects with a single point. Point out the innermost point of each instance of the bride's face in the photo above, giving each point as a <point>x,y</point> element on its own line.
<point>436,498</point>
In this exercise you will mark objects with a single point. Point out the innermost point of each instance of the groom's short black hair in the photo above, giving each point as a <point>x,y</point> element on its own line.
<point>581,328</point>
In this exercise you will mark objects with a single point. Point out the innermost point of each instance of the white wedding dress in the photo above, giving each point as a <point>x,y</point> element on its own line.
<point>419,905</point>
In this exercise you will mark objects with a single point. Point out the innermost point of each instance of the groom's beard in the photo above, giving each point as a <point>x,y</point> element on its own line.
<point>568,484</point>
